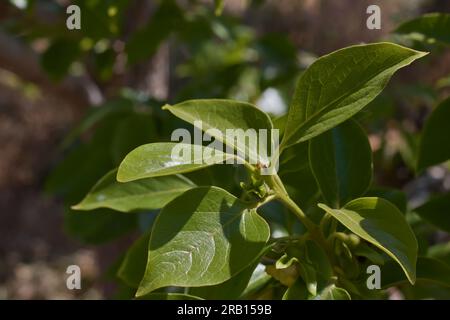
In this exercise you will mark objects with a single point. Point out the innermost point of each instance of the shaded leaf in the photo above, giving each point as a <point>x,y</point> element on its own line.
<point>294,158</point>
<point>341,160</point>
<point>379,222</point>
<point>297,291</point>
<point>428,270</point>
<point>436,211</point>
<point>133,266</point>
<point>98,226</point>
<point>435,138</point>
<point>131,132</point>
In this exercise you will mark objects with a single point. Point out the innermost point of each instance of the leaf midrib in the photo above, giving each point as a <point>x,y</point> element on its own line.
<point>339,99</point>
<point>158,193</point>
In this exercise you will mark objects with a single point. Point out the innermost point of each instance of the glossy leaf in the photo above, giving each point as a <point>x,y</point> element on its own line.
<point>430,26</point>
<point>228,116</point>
<point>436,211</point>
<point>203,237</point>
<point>379,222</point>
<point>428,270</point>
<point>338,85</point>
<point>341,161</point>
<point>162,159</point>
<point>435,141</point>
<point>149,193</point>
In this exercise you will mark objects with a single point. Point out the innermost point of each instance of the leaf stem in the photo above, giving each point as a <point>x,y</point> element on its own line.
<point>291,205</point>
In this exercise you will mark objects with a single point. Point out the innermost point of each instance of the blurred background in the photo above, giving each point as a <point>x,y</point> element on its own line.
<point>73,103</point>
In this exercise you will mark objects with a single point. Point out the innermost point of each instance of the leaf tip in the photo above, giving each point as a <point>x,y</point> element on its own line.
<point>422,54</point>
<point>411,277</point>
<point>142,291</point>
<point>120,177</point>
<point>76,206</point>
<point>166,107</point>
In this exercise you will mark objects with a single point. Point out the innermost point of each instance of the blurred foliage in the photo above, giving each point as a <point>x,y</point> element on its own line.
<point>213,54</point>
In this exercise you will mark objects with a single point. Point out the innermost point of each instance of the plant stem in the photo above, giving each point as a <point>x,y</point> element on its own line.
<point>288,202</point>
<point>314,230</point>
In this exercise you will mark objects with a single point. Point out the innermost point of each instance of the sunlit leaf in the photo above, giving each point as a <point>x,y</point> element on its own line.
<point>204,237</point>
<point>338,85</point>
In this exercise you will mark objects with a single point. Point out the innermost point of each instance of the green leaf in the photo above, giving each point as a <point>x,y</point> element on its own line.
<point>333,293</point>
<point>168,296</point>
<point>294,159</point>
<point>435,138</point>
<point>428,270</point>
<point>395,196</point>
<point>436,211</point>
<point>131,132</point>
<point>366,251</point>
<point>203,237</point>
<point>338,85</point>
<point>161,159</point>
<point>133,266</point>
<point>231,289</point>
<point>379,222</point>
<point>99,226</point>
<point>258,281</point>
<point>149,193</point>
<point>341,161</point>
<point>301,186</point>
<point>308,273</point>
<point>229,118</point>
<point>433,26</point>
<point>317,258</point>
